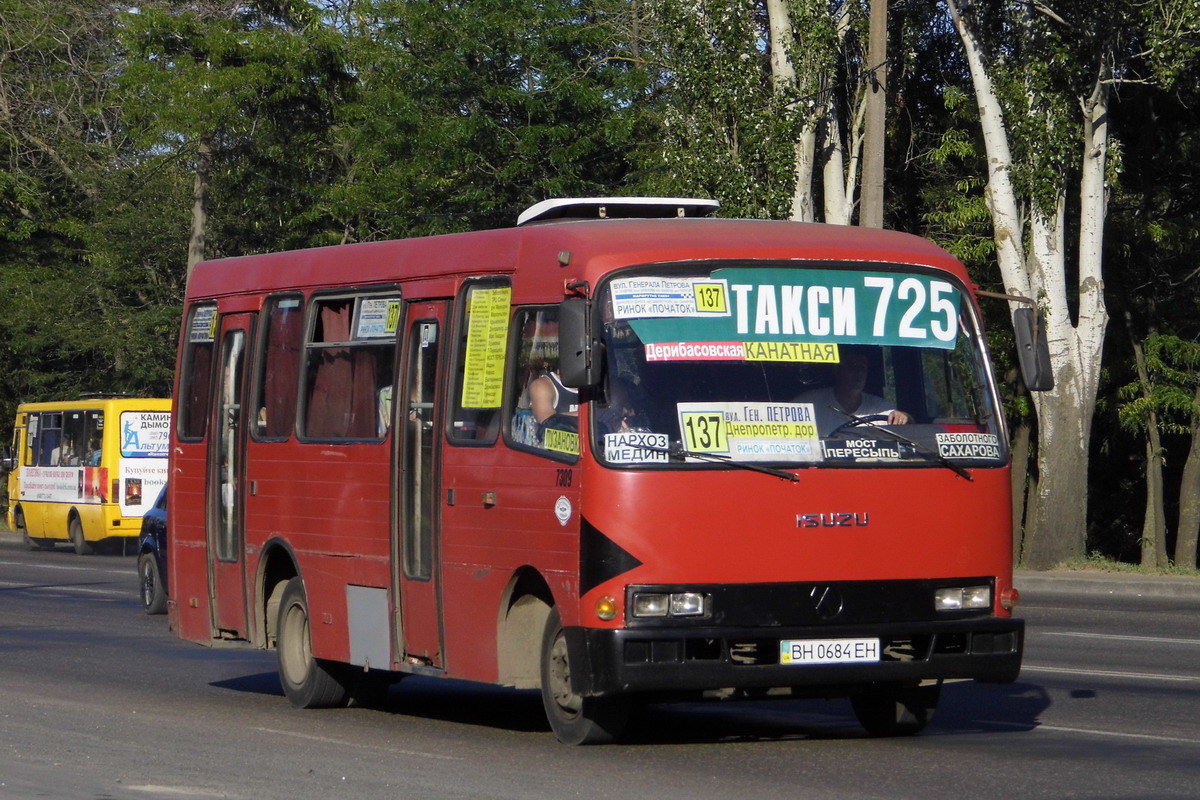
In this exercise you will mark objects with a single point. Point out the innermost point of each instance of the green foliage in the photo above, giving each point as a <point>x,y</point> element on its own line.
<point>1173,365</point>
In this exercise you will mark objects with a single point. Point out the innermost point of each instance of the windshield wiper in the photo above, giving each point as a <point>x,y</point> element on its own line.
<point>920,448</point>
<point>681,454</point>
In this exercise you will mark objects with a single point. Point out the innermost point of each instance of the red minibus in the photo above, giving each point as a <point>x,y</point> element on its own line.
<point>624,451</point>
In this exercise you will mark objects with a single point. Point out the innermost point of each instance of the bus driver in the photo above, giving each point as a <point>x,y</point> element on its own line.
<point>846,397</point>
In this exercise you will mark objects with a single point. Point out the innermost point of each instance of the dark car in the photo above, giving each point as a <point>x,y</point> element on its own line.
<point>152,557</point>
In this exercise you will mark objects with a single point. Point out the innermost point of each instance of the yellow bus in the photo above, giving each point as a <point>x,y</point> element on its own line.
<point>84,471</point>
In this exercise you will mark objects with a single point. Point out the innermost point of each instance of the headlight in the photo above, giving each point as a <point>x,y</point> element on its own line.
<point>957,598</point>
<point>687,604</point>
<point>651,605</point>
<point>676,604</point>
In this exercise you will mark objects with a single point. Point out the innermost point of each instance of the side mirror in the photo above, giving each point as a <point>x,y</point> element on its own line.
<point>578,364</point>
<point>1033,350</point>
<point>7,462</point>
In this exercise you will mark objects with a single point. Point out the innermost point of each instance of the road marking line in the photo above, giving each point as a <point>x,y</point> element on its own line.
<point>1119,637</point>
<point>1104,673</point>
<point>1090,732</point>
<point>59,588</point>
<point>344,743</point>
<point>176,791</point>
<point>69,569</point>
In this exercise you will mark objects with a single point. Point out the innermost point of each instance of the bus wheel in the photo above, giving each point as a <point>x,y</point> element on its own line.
<point>308,682</point>
<point>575,719</point>
<point>154,599</point>
<point>82,546</point>
<point>896,710</point>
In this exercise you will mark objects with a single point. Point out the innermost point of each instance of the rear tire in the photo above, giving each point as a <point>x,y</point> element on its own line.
<point>82,546</point>
<point>896,710</point>
<point>573,718</point>
<point>307,682</point>
<point>154,599</point>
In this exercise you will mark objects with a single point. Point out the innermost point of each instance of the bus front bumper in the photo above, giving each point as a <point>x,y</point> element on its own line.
<point>688,659</point>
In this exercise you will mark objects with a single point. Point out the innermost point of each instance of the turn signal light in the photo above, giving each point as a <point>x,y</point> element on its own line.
<point>1009,598</point>
<point>606,608</point>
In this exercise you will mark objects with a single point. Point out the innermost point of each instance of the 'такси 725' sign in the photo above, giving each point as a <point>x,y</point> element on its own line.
<point>732,312</point>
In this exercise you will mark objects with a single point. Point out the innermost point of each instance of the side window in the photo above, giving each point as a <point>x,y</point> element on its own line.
<point>32,439</point>
<point>49,440</point>
<point>483,309</point>
<point>545,414</point>
<point>278,368</point>
<point>348,367</point>
<point>80,438</point>
<point>195,380</point>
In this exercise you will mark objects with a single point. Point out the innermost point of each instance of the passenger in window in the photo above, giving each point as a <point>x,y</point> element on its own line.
<point>553,404</point>
<point>94,452</point>
<point>846,396</point>
<point>621,415</point>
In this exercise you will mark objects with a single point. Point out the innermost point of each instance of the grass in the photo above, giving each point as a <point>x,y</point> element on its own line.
<point>1100,563</point>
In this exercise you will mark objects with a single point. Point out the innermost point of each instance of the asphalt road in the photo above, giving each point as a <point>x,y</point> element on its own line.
<point>99,701</point>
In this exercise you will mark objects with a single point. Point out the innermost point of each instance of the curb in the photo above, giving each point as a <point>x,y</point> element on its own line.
<point>1035,584</point>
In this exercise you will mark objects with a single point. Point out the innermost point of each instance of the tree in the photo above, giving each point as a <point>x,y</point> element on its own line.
<point>1037,74</point>
<point>467,112</point>
<point>73,195</point>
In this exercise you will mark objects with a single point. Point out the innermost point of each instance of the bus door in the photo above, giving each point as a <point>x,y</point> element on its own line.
<point>417,575</point>
<point>226,491</point>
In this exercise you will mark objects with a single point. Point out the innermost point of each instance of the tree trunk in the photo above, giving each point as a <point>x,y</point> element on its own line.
<point>204,158</point>
<point>783,78</point>
<point>870,213</point>
<point>1020,476</point>
<point>1189,499</point>
<point>1154,521</point>
<point>1061,513</point>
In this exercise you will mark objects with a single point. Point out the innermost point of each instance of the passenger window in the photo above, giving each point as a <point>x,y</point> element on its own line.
<point>545,414</point>
<point>483,309</point>
<point>80,446</point>
<point>195,382</point>
<point>277,382</point>
<point>49,439</point>
<point>348,367</point>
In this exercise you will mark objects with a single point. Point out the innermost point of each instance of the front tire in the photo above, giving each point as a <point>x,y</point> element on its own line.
<point>896,710</point>
<point>307,682</point>
<point>154,598</point>
<point>573,718</point>
<point>82,546</point>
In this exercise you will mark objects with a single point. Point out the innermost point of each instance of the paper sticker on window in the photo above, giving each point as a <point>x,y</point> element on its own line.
<point>778,305</point>
<point>204,325</point>
<point>566,442</point>
<point>751,431</point>
<point>648,297</point>
<point>968,445</point>
<point>635,447</point>
<point>378,317</point>
<point>487,343</point>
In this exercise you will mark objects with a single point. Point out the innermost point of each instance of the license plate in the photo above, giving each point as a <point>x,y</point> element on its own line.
<point>828,651</point>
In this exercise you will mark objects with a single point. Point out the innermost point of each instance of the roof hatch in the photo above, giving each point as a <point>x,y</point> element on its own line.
<point>617,208</point>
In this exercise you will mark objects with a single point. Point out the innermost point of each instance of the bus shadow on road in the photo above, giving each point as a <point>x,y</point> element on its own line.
<point>965,708</point>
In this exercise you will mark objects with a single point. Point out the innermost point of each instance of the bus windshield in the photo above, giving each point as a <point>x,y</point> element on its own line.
<point>827,366</point>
